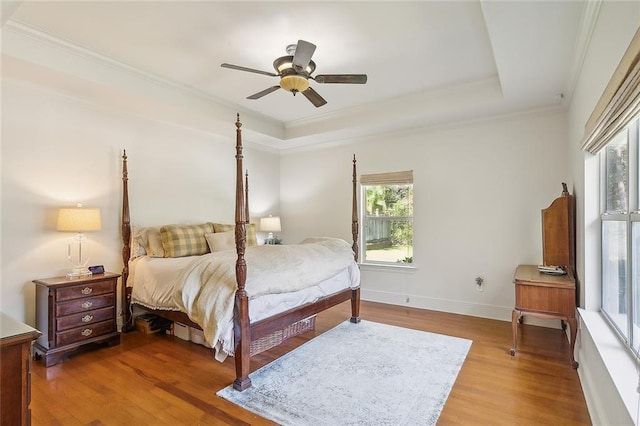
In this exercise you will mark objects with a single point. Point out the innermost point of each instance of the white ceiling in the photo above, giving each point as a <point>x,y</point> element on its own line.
<point>427,62</point>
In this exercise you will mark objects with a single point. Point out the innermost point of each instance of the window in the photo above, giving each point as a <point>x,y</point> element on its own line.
<point>387,219</point>
<point>621,234</point>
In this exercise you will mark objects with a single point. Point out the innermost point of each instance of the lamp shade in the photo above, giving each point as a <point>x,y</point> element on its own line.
<point>270,224</point>
<point>78,219</point>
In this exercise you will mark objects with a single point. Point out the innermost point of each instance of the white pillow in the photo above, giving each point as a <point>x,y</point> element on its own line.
<point>137,246</point>
<point>219,241</point>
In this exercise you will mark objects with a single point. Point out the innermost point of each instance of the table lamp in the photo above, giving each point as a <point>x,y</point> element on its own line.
<point>271,224</point>
<point>78,219</point>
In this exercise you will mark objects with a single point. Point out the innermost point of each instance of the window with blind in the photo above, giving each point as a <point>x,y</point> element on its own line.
<point>621,234</point>
<point>387,218</point>
<point>612,132</point>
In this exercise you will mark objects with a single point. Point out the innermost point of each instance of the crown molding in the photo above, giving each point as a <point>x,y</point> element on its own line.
<point>588,22</point>
<point>35,46</point>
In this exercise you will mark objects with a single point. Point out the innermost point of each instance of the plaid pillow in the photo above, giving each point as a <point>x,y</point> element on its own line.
<point>250,229</point>
<point>185,240</point>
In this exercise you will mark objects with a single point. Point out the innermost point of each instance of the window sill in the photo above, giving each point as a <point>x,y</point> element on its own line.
<point>619,363</point>
<point>402,268</point>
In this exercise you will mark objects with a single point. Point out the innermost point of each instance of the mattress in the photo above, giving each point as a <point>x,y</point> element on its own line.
<point>158,283</point>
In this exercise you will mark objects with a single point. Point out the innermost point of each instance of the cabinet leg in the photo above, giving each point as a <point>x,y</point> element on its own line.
<point>516,316</point>
<point>573,329</point>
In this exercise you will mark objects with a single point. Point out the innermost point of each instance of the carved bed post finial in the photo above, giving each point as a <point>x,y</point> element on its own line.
<point>126,243</point>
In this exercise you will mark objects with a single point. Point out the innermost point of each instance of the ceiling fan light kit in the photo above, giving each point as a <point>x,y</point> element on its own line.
<point>295,71</point>
<point>294,83</point>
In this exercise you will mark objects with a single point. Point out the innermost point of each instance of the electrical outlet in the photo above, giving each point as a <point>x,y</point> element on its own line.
<point>479,282</point>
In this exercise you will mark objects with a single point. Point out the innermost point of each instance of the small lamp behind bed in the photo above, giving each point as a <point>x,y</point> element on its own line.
<point>271,224</point>
<point>79,220</point>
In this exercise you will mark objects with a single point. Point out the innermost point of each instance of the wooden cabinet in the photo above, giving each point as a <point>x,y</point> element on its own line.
<point>15,371</point>
<point>544,295</point>
<point>75,313</point>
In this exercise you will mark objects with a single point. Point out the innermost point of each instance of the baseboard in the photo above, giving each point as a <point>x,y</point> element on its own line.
<point>443,305</point>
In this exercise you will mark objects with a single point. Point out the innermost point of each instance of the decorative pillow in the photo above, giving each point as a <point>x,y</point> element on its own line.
<point>154,242</point>
<point>250,229</point>
<point>219,241</point>
<point>146,241</point>
<point>137,246</point>
<point>185,240</point>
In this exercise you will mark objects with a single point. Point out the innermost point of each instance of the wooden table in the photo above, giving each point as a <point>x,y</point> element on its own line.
<point>15,371</point>
<point>544,296</point>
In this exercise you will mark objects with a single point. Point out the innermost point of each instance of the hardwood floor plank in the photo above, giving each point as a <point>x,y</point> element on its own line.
<point>162,380</point>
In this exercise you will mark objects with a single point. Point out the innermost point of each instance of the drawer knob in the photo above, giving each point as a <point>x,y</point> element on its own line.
<point>87,318</point>
<point>87,332</point>
<point>86,290</point>
<point>87,304</point>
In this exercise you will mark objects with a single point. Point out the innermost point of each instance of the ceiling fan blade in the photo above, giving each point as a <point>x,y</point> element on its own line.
<point>314,97</point>
<point>341,78</point>
<point>237,67</point>
<point>304,52</point>
<point>264,92</point>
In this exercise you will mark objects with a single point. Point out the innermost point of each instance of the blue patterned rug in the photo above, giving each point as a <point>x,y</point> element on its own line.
<point>358,374</point>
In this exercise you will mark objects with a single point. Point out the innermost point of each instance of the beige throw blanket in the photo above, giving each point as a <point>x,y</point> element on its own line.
<point>207,285</point>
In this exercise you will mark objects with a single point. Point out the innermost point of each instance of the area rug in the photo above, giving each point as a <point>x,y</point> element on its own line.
<point>357,374</point>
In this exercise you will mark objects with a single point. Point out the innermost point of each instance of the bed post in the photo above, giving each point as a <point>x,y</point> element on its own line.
<point>241,311</point>
<point>126,244</point>
<point>246,197</point>
<point>355,293</point>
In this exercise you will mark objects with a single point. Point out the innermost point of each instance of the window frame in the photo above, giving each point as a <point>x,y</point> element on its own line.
<point>384,179</point>
<point>630,336</point>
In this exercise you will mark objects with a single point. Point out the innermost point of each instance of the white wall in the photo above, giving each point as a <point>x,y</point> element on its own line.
<point>478,192</point>
<point>607,372</point>
<point>59,149</point>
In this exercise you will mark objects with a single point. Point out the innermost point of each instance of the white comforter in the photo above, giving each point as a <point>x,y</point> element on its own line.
<point>205,287</point>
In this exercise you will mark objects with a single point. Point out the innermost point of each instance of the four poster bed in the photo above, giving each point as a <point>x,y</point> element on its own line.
<point>244,297</point>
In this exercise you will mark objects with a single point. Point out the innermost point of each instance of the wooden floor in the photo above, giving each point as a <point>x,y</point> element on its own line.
<point>162,380</point>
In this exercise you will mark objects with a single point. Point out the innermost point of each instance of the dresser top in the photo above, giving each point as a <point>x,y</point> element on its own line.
<point>64,281</point>
<point>530,275</point>
<point>11,329</point>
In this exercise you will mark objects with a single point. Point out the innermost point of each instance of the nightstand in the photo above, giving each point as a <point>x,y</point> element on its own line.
<point>75,313</point>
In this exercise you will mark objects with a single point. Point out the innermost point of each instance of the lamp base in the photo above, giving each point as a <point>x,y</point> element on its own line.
<point>78,272</point>
<point>272,240</point>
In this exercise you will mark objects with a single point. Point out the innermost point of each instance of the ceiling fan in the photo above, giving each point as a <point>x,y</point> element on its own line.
<point>295,70</point>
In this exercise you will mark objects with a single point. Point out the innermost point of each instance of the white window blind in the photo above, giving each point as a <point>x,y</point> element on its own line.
<point>393,178</point>
<point>619,105</point>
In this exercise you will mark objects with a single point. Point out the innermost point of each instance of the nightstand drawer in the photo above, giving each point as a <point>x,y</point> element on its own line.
<point>84,290</point>
<point>84,333</point>
<point>85,318</point>
<point>83,305</point>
